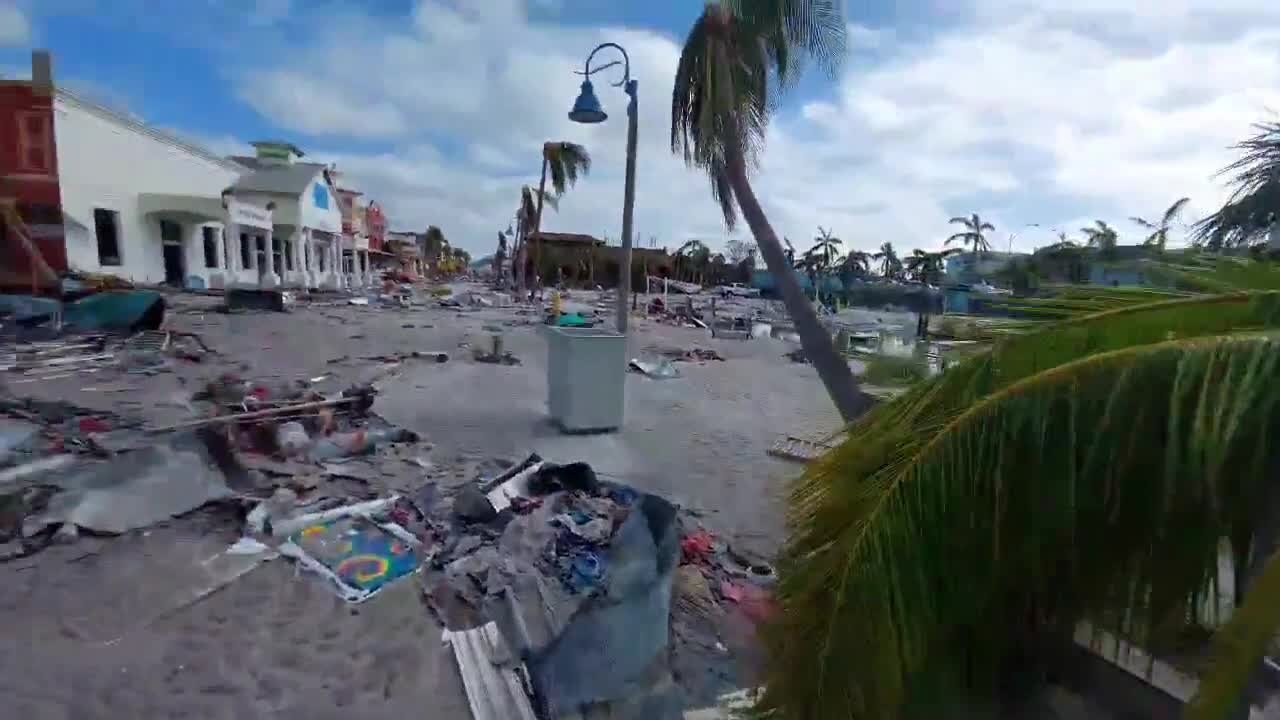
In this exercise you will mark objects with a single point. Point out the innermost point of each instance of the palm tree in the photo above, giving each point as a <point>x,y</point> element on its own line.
<point>500,256</point>
<point>927,267</point>
<point>1160,230</point>
<point>857,263</point>
<point>736,57</point>
<point>827,245</point>
<point>693,256</point>
<point>1101,236</point>
<point>526,216</point>
<point>890,265</point>
<point>973,233</point>
<point>564,161</point>
<point>948,549</point>
<point>1254,204</point>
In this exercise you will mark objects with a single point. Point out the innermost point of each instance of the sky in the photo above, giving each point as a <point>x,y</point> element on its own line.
<point>1036,114</point>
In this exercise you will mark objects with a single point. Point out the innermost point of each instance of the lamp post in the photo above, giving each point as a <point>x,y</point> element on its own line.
<point>586,109</point>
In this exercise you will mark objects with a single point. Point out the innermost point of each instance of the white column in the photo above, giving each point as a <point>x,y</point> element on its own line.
<point>269,278</point>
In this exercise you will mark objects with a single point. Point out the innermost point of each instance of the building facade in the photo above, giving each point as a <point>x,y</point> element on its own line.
<point>32,248</point>
<point>305,247</point>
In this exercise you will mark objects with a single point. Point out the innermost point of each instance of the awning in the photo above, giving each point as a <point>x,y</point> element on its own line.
<point>187,207</point>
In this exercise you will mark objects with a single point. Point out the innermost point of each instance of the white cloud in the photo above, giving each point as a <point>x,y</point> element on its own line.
<point>15,29</point>
<point>1057,111</point>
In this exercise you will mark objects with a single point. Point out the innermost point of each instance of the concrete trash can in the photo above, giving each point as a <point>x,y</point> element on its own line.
<point>586,375</point>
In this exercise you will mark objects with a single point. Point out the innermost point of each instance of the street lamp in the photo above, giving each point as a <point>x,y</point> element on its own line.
<point>587,110</point>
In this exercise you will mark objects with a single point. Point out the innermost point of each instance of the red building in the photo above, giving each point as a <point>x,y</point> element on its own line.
<point>375,225</point>
<point>32,244</point>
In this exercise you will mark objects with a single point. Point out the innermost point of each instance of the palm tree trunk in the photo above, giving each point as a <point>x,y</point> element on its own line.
<point>537,217</point>
<point>517,262</point>
<point>816,342</point>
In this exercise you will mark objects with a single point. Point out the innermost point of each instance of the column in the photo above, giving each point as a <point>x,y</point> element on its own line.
<point>230,231</point>
<point>335,262</point>
<point>269,276</point>
<point>251,272</point>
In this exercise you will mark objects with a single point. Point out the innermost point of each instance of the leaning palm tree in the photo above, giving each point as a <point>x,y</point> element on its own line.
<point>531,202</point>
<point>1101,236</point>
<point>890,265</point>
<point>1159,236</point>
<point>974,233</point>
<point>736,57</point>
<point>945,554</point>
<point>857,263</point>
<point>564,162</point>
<point>1254,205</point>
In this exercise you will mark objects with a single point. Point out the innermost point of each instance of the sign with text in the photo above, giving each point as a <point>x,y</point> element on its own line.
<point>243,213</point>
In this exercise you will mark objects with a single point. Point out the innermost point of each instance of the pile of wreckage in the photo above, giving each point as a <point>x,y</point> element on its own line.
<point>558,591</point>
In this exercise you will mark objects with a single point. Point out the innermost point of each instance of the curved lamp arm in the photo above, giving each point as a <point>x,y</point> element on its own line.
<point>625,62</point>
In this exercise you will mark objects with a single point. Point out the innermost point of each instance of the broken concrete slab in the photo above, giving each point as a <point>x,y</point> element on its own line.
<point>132,491</point>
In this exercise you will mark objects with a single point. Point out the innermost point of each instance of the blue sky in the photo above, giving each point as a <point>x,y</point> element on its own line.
<point>1052,112</point>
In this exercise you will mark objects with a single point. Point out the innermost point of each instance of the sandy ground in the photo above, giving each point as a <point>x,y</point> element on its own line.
<point>112,627</point>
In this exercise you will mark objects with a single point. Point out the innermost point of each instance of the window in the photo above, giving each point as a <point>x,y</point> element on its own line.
<point>226,251</point>
<point>35,143</point>
<point>244,251</point>
<point>170,232</point>
<point>106,225</point>
<point>320,196</point>
<point>210,246</point>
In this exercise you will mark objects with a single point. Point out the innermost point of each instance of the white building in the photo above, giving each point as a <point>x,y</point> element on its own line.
<point>145,205</point>
<point>306,249</point>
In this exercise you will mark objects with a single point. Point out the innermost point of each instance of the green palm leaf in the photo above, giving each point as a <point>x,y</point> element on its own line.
<point>1096,489</point>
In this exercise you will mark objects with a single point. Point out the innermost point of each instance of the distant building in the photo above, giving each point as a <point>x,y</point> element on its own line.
<point>972,267</point>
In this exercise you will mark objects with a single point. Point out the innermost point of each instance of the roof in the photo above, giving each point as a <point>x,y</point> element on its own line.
<point>135,124</point>
<point>564,238</point>
<point>290,179</point>
<point>280,144</point>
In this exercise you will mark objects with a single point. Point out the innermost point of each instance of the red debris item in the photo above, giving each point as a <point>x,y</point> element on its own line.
<point>260,392</point>
<point>522,506</point>
<point>697,547</point>
<point>94,425</point>
<point>756,602</point>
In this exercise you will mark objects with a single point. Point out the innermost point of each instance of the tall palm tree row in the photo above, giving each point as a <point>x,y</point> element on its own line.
<point>736,57</point>
<point>974,233</point>
<point>943,556</point>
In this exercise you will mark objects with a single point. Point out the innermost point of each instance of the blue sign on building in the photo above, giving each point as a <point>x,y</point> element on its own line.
<point>320,196</point>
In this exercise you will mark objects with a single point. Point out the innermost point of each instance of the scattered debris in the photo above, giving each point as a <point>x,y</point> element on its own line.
<point>790,447</point>
<point>359,549</point>
<point>661,369</point>
<point>240,299</point>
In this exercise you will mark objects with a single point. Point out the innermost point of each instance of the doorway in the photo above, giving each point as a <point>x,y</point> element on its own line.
<point>175,265</point>
<point>260,243</point>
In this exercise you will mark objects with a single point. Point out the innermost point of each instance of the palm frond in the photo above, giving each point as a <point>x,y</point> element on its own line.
<point>1238,647</point>
<point>566,161</point>
<point>1147,224</point>
<point>1174,210</point>
<point>947,555</point>
<point>960,236</point>
<point>986,226</point>
<point>959,221</point>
